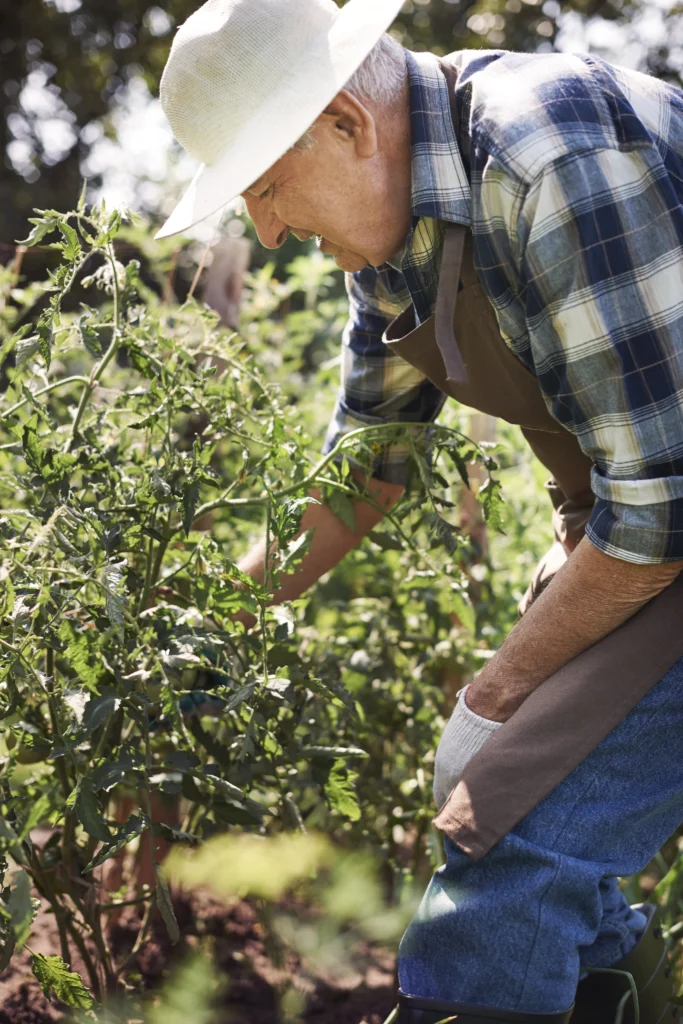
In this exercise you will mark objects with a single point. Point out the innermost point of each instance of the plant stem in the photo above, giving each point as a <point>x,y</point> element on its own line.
<point>92,919</point>
<point>100,367</point>
<point>314,474</point>
<point>148,566</point>
<point>152,578</point>
<point>45,889</point>
<point>148,796</point>
<point>65,926</point>
<point>90,965</point>
<point>43,391</point>
<point>60,767</point>
<point>140,938</point>
<point>115,904</point>
<point>262,604</point>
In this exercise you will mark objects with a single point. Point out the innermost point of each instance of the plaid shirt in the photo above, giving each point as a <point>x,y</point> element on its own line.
<point>570,173</point>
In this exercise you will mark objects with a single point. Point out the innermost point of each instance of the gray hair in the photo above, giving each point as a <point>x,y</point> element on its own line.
<point>379,79</point>
<point>381,75</point>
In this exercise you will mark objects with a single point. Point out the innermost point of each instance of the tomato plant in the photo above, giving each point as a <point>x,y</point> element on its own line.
<point>143,449</point>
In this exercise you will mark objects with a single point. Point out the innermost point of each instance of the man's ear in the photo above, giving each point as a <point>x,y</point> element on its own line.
<point>351,120</point>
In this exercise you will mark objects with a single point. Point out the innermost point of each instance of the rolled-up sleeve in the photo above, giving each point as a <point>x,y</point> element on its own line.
<point>597,243</point>
<point>378,386</point>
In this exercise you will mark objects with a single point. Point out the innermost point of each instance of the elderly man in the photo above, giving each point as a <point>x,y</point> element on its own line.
<point>512,232</point>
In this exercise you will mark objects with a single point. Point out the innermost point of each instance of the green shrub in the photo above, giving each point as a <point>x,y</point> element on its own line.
<point>123,670</point>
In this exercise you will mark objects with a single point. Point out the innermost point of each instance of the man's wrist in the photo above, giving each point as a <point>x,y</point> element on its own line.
<point>492,700</point>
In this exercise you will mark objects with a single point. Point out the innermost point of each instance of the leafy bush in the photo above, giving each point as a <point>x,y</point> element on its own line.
<point>143,450</point>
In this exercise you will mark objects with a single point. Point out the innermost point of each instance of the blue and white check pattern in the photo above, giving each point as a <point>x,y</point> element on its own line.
<point>570,173</point>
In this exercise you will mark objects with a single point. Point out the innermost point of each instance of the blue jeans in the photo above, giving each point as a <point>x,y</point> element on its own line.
<point>515,929</point>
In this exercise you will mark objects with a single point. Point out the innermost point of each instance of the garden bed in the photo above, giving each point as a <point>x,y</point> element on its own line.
<point>364,993</point>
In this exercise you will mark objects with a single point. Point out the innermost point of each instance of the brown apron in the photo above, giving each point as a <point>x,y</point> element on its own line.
<point>551,733</point>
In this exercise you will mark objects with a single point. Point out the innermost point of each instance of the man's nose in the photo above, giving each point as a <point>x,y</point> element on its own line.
<point>272,232</point>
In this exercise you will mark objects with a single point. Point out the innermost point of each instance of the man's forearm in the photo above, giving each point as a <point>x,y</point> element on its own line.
<point>331,541</point>
<point>590,596</point>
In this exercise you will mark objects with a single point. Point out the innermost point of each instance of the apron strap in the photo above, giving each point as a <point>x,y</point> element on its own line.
<point>449,276</point>
<point>447,294</point>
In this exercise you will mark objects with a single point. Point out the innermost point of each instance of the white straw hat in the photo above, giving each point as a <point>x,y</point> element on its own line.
<point>245,79</point>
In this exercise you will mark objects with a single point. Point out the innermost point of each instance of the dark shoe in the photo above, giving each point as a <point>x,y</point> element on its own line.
<point>412,1010</point>
<point>599,995</point>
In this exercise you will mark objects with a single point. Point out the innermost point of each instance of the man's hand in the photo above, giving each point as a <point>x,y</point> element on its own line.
<point>589,597</point>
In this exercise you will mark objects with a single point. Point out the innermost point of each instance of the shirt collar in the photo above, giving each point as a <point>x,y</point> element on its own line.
<point>440,187</point>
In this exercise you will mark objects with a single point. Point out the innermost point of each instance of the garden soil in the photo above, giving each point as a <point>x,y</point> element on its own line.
<point>363,994</point>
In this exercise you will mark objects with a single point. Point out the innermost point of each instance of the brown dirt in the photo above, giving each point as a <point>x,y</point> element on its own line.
<point>362,994</point>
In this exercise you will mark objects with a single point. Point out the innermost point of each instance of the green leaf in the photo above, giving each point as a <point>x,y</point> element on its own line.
<point>45,339</point>
<point>453,452</point>
<point>72,246</point>
<point>385,541</point>
<point>136,825</point>
<point>462,607</point>
<point>79,653</point>
<point>174,835</point>
<point>423,469</point>
<point>9,597</point>
<point>10,344</point>
<point>279,686</point>
<point>233,572</point>
<point>111,773</point>
<point>54,975</point>
<point>222,785</point>
<point>151,419</point>
<point>447,534</point>
<point>335,693</point>
<point>98,710</point>
<point>36,406</point>
<point>42,225</point>
<point>181,761</point>
<point>114,224</point>
<point>296,550</point>
<point>491,501</point>
<point>9,842</point>
<point>51,465</point>
<point>7,945</point>
<point>38,810</point>
<point>342,507</point>
<point>89,338</point>
<point>190,502</point>
<point>240,696</point>
<point>341,793</point>
<point>115,600</point>
<point>166,907</point>
<point>141,362</point>
<point>26,349</point>
<point>89,812</point>
<point>32,445</point>
<point>20,907</point>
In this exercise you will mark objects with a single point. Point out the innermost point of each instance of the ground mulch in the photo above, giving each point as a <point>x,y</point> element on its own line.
<point>361,994</point>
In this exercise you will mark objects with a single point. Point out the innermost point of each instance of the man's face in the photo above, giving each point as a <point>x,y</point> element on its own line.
<point>351,189</point>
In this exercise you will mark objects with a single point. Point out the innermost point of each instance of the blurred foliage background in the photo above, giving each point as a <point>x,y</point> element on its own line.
<point>78,78</point>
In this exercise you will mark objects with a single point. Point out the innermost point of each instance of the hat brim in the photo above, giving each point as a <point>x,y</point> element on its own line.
<point>316,78</point>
